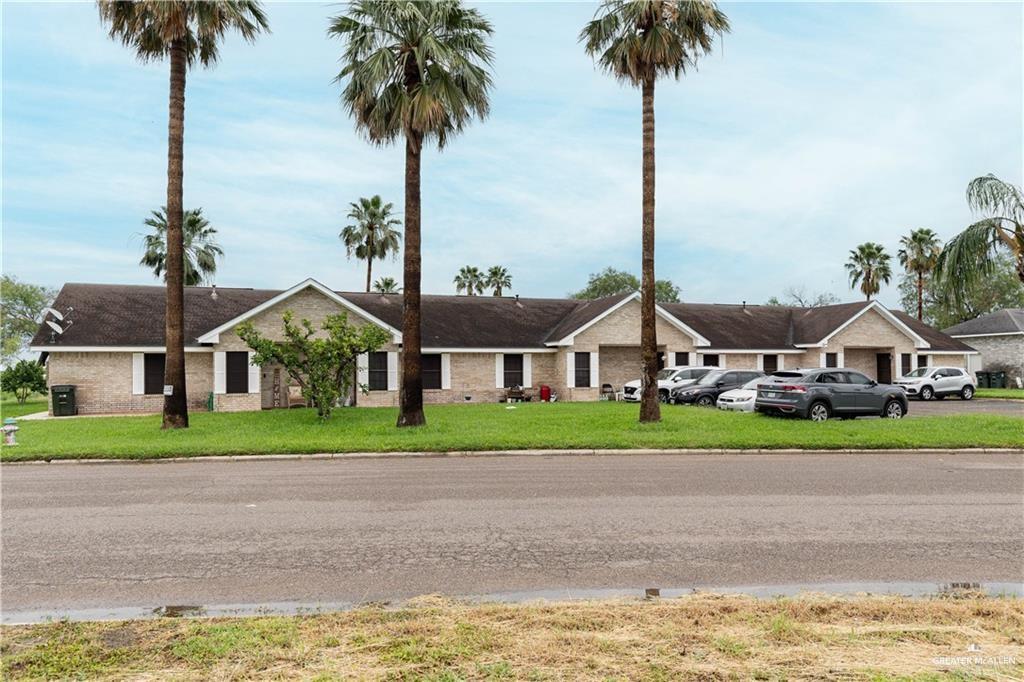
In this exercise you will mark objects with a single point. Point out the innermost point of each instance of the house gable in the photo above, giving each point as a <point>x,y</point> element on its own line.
<point>620,326</point>
<point>872,320</point>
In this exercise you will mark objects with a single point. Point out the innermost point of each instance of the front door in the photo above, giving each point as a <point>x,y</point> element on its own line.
<point>883,371</point>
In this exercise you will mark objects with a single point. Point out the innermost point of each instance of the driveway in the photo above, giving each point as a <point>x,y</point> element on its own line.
<point>313,531</point>
<point>1013,408</point>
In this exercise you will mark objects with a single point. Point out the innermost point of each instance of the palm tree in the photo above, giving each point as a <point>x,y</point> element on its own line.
<point>470,280</point>
<point>638,41</point>
<point>918,255</point>
<point>184,31</point>
<point>971,255</point>
<point>386,285</point>
<point>498,279</point>
<point>373,235</point>
<point>200,251</point>
<point>413,69</point>
<point>869,265</point>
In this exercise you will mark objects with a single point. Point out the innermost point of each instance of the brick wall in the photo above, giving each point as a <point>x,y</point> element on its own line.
<point>1000,350</point>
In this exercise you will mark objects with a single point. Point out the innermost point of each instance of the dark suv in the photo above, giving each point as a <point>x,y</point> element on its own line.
<point>818,394</point>
<point>706,390</point>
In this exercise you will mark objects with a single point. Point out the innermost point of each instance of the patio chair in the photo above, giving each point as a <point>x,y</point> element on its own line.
<point>295,397</point>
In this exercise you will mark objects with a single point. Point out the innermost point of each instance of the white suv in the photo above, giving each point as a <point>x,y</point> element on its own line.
<point>937,382</point>
<point>668,378</point>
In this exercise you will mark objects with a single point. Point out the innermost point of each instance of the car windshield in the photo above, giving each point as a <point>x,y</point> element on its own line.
<point>664,374</point>
<point>919,372</point>
<point>710,378</point>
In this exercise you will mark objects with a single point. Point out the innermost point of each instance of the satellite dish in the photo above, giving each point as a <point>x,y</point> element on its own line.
<point>54,312</point>
<point>55,327</point>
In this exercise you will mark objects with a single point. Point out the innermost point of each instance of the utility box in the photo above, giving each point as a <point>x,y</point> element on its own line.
<point>63,398</point>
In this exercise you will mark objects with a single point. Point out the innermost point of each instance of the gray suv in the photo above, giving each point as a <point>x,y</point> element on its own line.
<point>818,394</point>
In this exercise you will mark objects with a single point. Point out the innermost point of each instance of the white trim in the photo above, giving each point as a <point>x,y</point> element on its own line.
<point>446,371</point>
<point>489,350</point>
<point>595,370</point>
<point>721,360</point>
<point>822,359</point>
<point>975,336</point>
<point>698,359</point>
<point>213,336</point>
<point>746,351</point>
<point>254,375</point>
<point>698,340</point>
<point>138,373</point>
<point>782,362</point>
<point>919,342</point>
<point>220,381</point>
<point>760,362</point>
<point>527,371</point>
<point>115,349</point>
<point>570,369</point>
<point>499,370</point>
<point>948,352</point>
<point>840,359</point>
<point>363,369</point>
<point>392,370</point>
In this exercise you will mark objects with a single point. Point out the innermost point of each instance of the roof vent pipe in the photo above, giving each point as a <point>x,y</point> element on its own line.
<point>213,291</point>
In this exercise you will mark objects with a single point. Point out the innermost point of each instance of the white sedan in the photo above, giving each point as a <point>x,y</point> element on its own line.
<point>740,399</point>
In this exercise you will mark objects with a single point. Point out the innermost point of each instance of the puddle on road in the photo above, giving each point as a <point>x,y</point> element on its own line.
<point>907,589</point>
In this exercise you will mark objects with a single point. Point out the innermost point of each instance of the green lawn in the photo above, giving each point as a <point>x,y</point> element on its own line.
<point>493,427</point>
<point>9,406</point>
<point>1009,393</point>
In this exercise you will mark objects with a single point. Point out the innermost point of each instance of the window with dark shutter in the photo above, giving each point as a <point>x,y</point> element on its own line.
<point>922,360</point>
<point>513,369</point>
<point>236,372</point>
<point>582,370</point>
<point>378,371</point>
<point>711,360</point>
<point>831,359</point>
<point>682,359</point>
<point>771,363</point>
<point>430,368</point>
<point>154,373</point>
<point>905,360</point>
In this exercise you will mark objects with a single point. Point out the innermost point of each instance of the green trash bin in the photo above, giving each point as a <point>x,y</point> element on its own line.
<point>983,379</point>
<point>997,380</point>
<point>63,399</point>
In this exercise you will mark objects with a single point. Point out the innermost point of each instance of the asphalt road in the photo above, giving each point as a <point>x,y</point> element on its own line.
<point>78,537</point>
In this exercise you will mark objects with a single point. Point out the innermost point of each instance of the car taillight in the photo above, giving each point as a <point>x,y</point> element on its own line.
<point>794,388</point>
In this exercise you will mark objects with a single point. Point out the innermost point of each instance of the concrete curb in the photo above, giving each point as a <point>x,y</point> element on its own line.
<point>519,453</point>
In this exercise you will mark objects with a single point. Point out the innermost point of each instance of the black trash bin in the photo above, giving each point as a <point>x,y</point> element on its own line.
<point>63,401</point>
<point>997,380</point>
<point>984,379</point>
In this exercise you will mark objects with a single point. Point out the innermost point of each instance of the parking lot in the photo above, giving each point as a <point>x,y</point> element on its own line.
<point>921,408</point>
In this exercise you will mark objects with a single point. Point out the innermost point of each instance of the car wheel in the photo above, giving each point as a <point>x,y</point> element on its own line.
<point>927,393</point>
<point>893,410</point>
<point>662,396</point>
<point>818,412</point>
<point>705,401</point>
<point>967,392</point>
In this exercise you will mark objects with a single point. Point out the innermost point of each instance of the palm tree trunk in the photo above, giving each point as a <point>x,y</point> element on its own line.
<point>650,410</point>
<point>920,296</point>
<point>410,412</point>
<point>369,270</point>
<point>176,404</point>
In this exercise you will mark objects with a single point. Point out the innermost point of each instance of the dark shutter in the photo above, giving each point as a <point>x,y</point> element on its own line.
<point>771,363</point>
<point>513,369</point>
<point>431,370</point>
<point>236,372</point>
<point>378,366</point>
<point>154,373</point>
<point>831,359</point>
<point>682,359</point>
<point>711,360</point>
<point>582,373</point>
<point>922,360</point>
<point>905,360</point>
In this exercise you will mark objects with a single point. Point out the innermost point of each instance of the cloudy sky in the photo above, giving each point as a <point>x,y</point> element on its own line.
<point>813,127</point>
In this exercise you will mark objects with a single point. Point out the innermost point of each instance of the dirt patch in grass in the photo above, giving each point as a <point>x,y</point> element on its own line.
<point>705,637</point>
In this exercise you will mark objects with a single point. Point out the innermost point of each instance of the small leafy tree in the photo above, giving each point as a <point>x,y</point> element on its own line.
<point>24,379</point>
<point>323,366</point>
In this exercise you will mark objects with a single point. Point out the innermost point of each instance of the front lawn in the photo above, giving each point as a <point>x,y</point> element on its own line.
<point>9,406</point>
<point>698,637</point>
<point>1005,393</point>
<point>493,427</point>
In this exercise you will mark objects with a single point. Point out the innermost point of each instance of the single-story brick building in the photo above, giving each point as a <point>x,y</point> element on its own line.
<point>474,346</point>
<point>999,340</point>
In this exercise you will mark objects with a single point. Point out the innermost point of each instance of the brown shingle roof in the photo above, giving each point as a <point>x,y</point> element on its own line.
<point>1006,321</point>
<point>127,315</point>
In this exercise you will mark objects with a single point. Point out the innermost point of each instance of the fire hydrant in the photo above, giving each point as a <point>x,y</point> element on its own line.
<point>9,428</point>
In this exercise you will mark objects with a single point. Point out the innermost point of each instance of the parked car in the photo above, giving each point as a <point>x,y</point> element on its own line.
<point>740,399</point>
<point>819,394</point>
<point>937,382</point>
<point>705,391</point>
<point>668,378</point>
